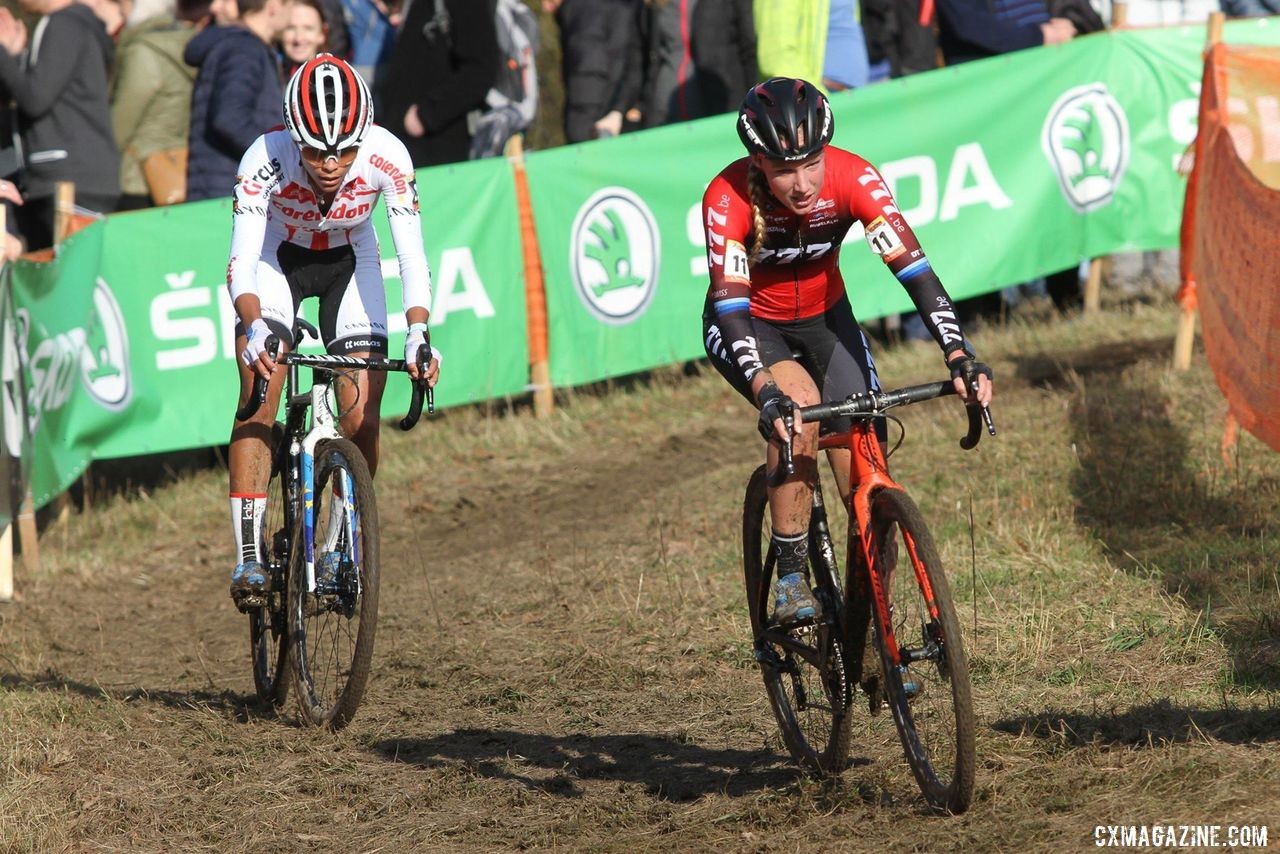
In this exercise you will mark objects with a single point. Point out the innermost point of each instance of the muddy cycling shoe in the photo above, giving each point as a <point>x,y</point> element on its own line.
<point>249,585</point>
<point>331,572</point>
<point>877,699</point>
<point>793,603</point>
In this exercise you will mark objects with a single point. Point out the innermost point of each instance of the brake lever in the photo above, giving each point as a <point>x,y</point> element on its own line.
<point>424,362</point>
<point>258,395</point>
<point>788,463</point>
<point>978,415</point>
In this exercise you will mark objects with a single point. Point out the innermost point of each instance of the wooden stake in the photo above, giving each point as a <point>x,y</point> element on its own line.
<point>1185,340</point>
<point>6,563</point>
<point>1186,337</point>
<point>1093,287</point>
<point>64,206</point>
<point>535,287</point>
<point>1216,21</point>
<point>1230,433</point>
<point>28,535</point>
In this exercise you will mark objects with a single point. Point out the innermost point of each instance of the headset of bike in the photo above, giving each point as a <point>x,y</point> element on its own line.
<point>775,222</point>
<point>301,227</point>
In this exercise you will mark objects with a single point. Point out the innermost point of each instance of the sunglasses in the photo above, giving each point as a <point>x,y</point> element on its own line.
<point>319,156</point>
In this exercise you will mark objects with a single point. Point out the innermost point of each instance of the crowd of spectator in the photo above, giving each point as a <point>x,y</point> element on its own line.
<point>148,102</point>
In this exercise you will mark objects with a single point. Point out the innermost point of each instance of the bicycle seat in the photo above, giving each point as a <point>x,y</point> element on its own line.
<point>300,326</point>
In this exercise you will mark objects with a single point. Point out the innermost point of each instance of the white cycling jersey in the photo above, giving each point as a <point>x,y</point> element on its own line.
<point>274,204</point>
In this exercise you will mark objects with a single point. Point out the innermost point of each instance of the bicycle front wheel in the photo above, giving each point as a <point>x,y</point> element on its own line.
<point>268,626</point>
<point>926,683</point>
<point>803,668</point>
<point>334,613</point>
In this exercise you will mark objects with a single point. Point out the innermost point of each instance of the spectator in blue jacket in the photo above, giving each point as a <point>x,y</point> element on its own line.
<point>1250,8</point>
<point>60,87</point>
<point>237,94</point>
<point>973,29</point>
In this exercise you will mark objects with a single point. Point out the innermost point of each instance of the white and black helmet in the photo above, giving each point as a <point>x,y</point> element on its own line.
<point>327,105</point>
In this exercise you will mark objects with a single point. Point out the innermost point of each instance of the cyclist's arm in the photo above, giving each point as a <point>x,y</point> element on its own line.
<point>727,228</point>
<point>892,239</point>
<point>400,195</point>
<point>256,181</point>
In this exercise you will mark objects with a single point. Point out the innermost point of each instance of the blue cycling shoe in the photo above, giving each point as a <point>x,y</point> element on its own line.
<point>249,585</point>
<point>793,603</point>
<point>333,571</point>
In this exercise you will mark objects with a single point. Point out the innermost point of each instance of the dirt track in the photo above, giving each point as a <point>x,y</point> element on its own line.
<point>562,662</point>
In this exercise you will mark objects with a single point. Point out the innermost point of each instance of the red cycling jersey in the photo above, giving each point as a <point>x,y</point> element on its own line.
<point>796,275</point>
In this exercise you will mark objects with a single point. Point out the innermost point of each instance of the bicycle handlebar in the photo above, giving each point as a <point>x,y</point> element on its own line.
<point>335,363</point>
<point>876,402</point>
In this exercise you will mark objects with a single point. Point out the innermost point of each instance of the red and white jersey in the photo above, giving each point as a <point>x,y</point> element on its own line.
<point>274,203</point>
<point>797,272</point>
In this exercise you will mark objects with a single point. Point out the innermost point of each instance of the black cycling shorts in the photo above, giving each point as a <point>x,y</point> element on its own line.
<point>830,346</point>
<point>353,310</point>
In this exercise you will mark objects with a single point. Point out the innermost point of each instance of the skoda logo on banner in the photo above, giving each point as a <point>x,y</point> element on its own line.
<point>1086,138</point>
<point>613,255</point>
<point>104,362</point>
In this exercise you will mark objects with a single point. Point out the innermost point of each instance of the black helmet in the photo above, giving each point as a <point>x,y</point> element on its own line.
<point>775,112</point>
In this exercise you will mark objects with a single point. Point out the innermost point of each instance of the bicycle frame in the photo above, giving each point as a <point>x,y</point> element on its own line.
<point>302,445</point>
<point>302,459</point>
<point>869,472</point>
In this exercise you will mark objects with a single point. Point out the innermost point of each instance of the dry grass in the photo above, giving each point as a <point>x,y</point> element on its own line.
<point>563,660</point>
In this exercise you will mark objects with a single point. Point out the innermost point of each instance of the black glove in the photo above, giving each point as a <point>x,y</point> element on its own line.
<point>773,404</point>
<point>969,368</point>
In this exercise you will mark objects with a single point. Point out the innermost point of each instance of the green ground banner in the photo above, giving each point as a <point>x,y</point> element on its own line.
<point>130,341</point>
<point>1007,169</point>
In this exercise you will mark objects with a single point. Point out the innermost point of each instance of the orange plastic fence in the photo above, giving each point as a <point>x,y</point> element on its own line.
<point>1231,232</point>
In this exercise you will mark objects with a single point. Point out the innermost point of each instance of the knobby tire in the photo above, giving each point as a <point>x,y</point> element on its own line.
<point>930,699</point>
<point>268,629</point>
<point>811,703</point>
<point>332,635</point>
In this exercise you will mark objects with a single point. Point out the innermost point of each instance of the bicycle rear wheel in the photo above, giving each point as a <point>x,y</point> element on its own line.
<point>268,629</point>
<point>332,624</point>
<point>804,668</point>
<point>928,691</point>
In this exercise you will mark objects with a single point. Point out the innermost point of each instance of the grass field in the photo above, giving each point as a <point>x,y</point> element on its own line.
<point>563,659</point>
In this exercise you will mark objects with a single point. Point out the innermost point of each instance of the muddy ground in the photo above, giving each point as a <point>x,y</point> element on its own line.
<point>562,658</point>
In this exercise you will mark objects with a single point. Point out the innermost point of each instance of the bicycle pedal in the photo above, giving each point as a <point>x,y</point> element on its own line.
<point>804,625</point>
<point>246,602</point>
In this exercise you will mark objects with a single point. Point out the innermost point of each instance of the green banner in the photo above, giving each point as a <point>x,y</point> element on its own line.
<point>1007,169</point>
<point>131,347</point>
<point>65,337</point>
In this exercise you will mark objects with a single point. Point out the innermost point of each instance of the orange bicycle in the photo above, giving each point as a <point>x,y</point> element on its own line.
<point>919,670</point>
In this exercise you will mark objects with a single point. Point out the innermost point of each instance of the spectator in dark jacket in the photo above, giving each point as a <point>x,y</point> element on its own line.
<point>600,60</point>
<point>1250,8</point>
<point>64,120</point>
<point>973,29</point>
<point>444,62</point>
<point>237,95</point>
<point>895,36</point>
<point>701,58</point>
